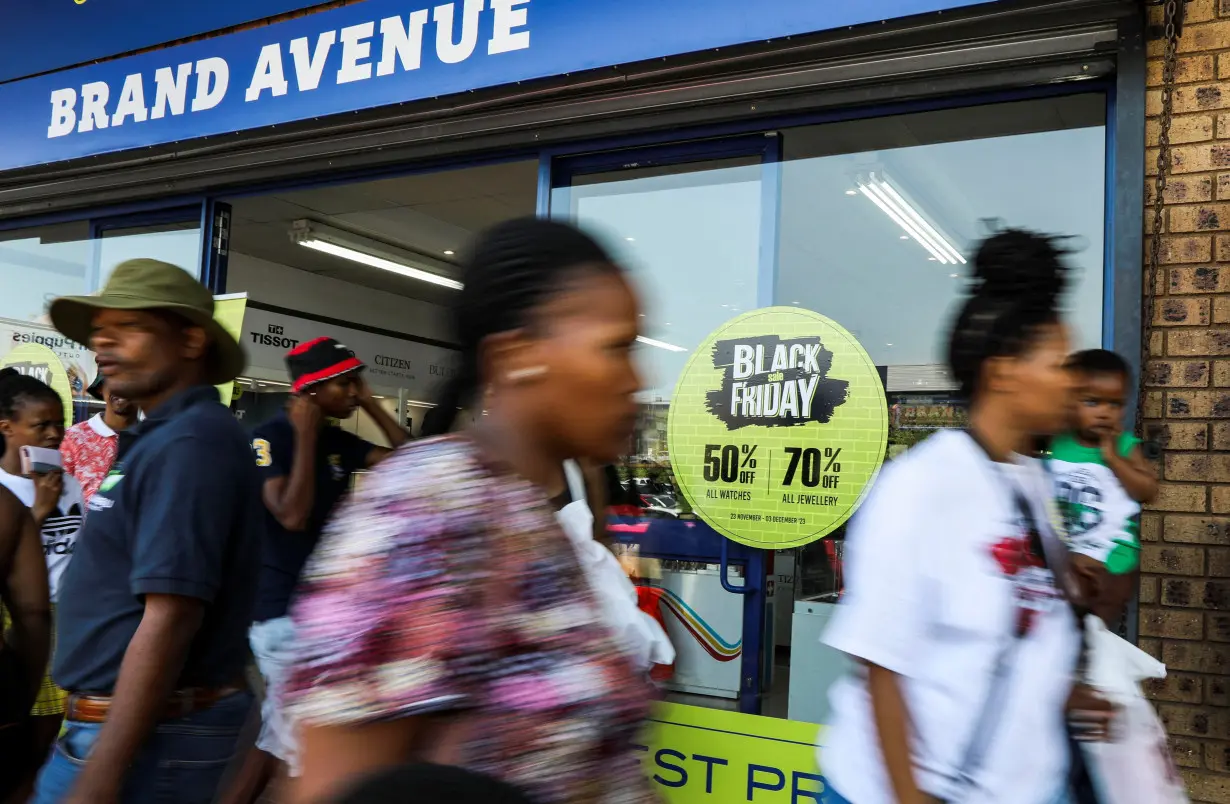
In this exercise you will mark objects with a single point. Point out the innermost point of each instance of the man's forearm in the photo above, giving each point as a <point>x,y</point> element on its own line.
<point>151,667</point>
<point>300,493</point>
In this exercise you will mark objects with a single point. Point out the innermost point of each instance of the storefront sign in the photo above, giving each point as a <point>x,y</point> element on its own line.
<point>43,364</point>
<point>38,36</point>
<point>391,362</point>
<point>714,756</point>
<point>378,53</point>
<point>77,360</point>
<point>777,427</point>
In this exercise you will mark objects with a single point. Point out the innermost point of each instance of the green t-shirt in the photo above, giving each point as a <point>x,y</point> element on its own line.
<point>1101,519</point>
<point>1066,447</point>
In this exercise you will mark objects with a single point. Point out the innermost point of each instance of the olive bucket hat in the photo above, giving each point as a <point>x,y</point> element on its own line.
<point>154,285</point>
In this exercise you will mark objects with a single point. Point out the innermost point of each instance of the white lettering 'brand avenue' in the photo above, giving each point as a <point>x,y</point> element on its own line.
<point>344,56</point>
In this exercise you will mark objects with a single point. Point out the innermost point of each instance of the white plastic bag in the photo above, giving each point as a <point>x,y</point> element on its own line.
<point>1134,766</point>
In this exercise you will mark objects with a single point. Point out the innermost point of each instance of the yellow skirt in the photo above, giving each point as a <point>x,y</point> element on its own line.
<point>51,700</point>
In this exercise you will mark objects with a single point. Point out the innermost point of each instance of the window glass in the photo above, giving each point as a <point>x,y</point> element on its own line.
<point>177,243</point>
<point>871,223</point>
<point>690,235</point>
<point>38,264</point>
<point>878,216</point>
<point>878,219</point>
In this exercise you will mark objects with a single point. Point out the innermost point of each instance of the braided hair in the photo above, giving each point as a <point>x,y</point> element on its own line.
<point>512,270</point>
<point>16,389</point>
<point>1018,278</point>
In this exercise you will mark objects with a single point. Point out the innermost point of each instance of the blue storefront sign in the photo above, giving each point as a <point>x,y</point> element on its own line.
<point>377,53</point>
<point>39,36</point>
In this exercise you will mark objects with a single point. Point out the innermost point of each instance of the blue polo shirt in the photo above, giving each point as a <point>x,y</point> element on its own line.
<point>179,514</point>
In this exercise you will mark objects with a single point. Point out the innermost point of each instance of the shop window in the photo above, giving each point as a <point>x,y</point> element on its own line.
<point>877,215</point>
<point>375,264</point>
<point>878,219</point>
<point>178,243</point>
<point>40,263</point>
<point>871,223</point>
<point>37,264</point>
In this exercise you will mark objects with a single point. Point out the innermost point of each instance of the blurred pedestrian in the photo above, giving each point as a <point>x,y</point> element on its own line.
<point>25,644</point>
<point>32,415</point>
<point>90,447</point>
<point>152,625</point>
<point>446,616</point>
<point>955,604</point>
<point>306,466</point>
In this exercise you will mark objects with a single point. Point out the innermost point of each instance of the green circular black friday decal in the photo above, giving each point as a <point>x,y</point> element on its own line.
<point>777,427</point>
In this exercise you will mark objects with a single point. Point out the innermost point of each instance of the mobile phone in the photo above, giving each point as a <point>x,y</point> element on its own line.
<point>40,461</point>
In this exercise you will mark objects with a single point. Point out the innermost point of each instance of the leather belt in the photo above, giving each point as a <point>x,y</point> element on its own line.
<point>95,708</point>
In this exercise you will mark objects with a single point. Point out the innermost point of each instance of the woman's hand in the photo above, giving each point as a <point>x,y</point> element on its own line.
<point>1089,715</point>
<point>47,491</point>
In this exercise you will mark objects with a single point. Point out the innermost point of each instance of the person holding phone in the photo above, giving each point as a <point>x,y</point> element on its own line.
<point>32,424</point>
<point>306,467</point>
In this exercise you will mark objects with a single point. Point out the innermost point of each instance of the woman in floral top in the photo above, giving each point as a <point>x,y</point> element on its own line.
<point>445,617</point>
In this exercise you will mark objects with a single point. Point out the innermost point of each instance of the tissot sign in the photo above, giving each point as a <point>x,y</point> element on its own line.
<point>366,55</point>
<point>391,362</point>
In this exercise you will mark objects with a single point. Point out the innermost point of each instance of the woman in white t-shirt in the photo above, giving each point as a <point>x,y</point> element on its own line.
<point>954,606</point>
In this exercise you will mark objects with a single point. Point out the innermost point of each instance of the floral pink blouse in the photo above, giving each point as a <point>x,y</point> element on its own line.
<point>447,586</point>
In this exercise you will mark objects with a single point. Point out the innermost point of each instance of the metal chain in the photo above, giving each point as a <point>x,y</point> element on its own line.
<point>1169,65</point>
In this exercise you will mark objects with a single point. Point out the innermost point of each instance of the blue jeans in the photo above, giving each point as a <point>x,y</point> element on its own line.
<point>182,761</point>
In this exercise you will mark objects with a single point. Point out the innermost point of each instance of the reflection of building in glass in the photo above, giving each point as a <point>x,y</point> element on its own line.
<point>650,444</point>
<point>914,417</point>
<point>645,475</point>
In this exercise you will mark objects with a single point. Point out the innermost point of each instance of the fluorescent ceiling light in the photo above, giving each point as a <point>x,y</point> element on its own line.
<point>894,204</point>
<point>374,254</point>
<point>379,262</point>
<point>670,347</point>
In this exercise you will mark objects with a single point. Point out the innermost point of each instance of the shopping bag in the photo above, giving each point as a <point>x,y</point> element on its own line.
<point>649,600</point>
<point>1134,766</point>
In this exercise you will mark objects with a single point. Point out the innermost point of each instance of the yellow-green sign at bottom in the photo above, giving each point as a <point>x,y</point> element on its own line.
<point>693,754</point>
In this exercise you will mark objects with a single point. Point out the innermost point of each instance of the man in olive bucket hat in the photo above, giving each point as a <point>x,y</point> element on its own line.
<point>155,610</point>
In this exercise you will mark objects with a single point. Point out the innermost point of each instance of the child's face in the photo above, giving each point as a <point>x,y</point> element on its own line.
<point>1100,401</point>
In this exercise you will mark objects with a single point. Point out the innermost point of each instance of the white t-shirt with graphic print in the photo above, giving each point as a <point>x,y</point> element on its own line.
<point>939,578</point>
<point>61,528</point>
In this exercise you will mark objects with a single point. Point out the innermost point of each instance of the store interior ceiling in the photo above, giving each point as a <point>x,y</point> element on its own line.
<point>432,215</point>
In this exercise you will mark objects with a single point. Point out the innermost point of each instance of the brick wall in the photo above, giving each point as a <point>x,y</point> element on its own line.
<point>1185,589</point>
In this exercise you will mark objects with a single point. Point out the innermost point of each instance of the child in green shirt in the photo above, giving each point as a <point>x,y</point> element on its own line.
<point>1102,477</point>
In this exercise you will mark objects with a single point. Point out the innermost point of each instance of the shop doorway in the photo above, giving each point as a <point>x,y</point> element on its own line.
<point>373,264</point>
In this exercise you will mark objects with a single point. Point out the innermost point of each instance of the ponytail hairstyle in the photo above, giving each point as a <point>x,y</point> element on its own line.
<point>1018,278</point>
<point>15,389</point>
<point>511,271</point>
